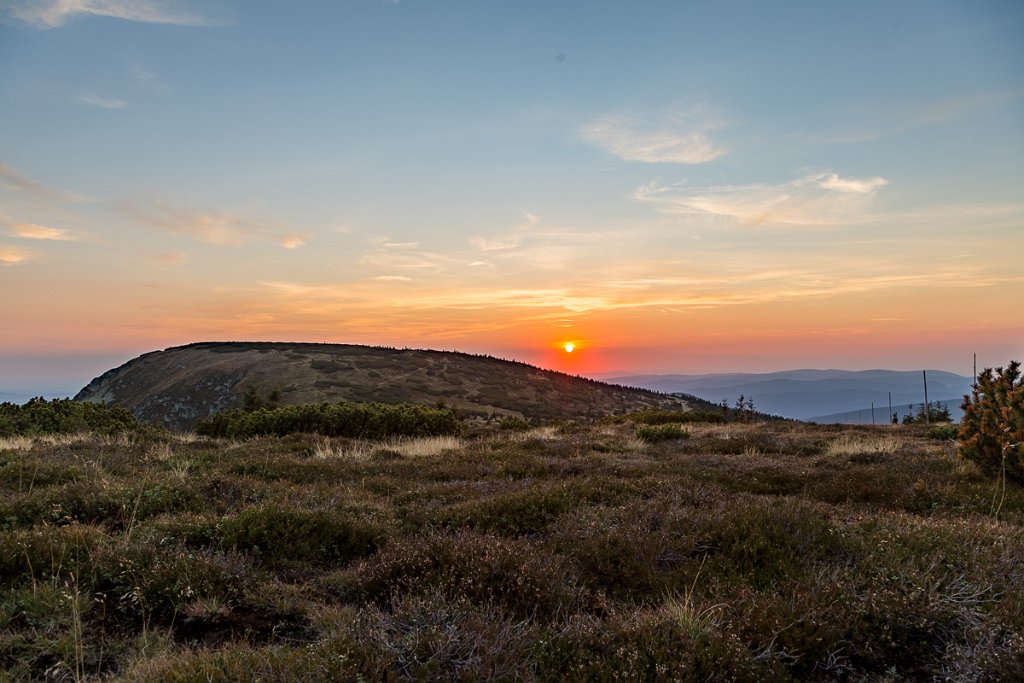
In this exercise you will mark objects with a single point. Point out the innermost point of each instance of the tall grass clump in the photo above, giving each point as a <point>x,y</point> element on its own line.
<point>355,420</point>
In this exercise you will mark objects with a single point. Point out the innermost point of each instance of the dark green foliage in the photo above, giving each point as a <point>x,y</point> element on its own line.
<point>513,424</point>
<point>944,432</point>
<point>62,416</point>
<point>662,432</point>
<point>357,420</point>
<point>992,428</point>
<point>277,536</point>
<point>660,417</point>
<point>254,399</point>
<point>929,413</point>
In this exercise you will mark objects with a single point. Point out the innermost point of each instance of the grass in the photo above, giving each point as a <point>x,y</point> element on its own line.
<point>575,551</point>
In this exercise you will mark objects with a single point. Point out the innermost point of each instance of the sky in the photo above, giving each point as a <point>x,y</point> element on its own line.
<point>671,186</point>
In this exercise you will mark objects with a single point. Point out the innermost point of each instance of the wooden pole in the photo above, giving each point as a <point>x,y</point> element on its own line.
<point>872,413</point>
<point>927,406</point>
<point>890,406</point>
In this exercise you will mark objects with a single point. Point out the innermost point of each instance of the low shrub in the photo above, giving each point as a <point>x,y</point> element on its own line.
<point>62,416</point>
<point>660,417</point>
<point>662,432</point>
<point>356,420</point>
<point>944,432</point>
<point>279,536</point>
<point>481,568</point>
<point>520,512</point>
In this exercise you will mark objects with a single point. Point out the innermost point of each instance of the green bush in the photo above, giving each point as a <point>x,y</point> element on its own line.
<point>356,420</point>
<point>63,415</point>
<point>992,428</point>
<point>660,417</point>
<point>662,432</point>
<point>943,432</point>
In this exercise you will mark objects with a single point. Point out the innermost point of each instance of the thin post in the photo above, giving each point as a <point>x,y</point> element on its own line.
<point>872,413</point>
<point>927,406</point>
<point>890,406</point>
<point>974,379</point>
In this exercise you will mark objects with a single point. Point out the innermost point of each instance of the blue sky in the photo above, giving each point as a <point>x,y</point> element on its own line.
<point>675,186</point>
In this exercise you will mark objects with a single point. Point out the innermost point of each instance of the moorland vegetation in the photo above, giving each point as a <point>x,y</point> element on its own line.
<point>630,548</point>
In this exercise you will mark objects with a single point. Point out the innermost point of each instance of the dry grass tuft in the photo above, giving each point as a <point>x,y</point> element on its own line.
<point>359,451</point>
<point>849,444</point>
<point>426,445</point>
<point>16,443</point>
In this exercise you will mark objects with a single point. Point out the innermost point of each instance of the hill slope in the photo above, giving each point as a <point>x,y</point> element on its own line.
<point>179,385</point>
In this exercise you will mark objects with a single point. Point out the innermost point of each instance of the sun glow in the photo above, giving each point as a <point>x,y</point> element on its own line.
<point>569,347</point>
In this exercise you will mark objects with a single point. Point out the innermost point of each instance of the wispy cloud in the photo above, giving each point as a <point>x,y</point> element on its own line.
<point>673,138</point>
<point>214,227</point>
<point>510,240</point>
<point>496,243</point>
<point>10,256</point>
<point>13,179</point>
<point>40,232</point>
<point>400,245</point>
<point>812,200</point>
<point>294,240</point>
<point>94,100</point>
<point>168,259</point>
<point>53,13</point>
<point>393,278</point>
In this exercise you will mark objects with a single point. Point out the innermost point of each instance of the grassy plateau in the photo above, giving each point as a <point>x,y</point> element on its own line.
<point>605,550</point>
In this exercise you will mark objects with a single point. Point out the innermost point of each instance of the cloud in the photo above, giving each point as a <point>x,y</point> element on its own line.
<point>210,226</point>
<point>40,232</point>
<point>294,240</point>
<point>294,288</point>
<point>393,278</point>
<point>661,138</point>
<point>10,256</point>
<point>14,179</point>
<point>400,245</point>
<point>812,200</point>
<point>101,102</point>
<point>831,181</point>
<point>168,258</point>
<point>496,243</point>
<point>508,241</point>
<point>53,13</point>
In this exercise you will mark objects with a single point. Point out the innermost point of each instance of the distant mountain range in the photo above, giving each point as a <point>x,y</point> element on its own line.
<point>816,395</point>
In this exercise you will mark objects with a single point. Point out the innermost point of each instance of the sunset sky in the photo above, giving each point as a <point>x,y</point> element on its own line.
<point>672,186</point>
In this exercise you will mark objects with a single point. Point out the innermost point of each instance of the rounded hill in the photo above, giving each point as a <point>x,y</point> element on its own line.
<point>180,385</point>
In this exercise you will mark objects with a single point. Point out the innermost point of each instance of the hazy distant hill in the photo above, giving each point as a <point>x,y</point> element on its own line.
<point>182,384</point>
<point>863,414</point>
<point>807,394</point>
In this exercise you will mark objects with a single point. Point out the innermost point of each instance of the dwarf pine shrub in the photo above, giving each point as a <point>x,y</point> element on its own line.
<point>992,428</point>
<point>356,420</point>
<point>62,416</point>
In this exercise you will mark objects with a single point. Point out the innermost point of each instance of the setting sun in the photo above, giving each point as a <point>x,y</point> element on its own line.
<point>569,347</point>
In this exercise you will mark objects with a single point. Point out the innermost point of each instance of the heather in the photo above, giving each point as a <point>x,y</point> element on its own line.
<point>573,551</point>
